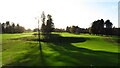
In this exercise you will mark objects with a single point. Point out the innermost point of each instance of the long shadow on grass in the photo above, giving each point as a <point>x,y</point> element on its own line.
<point>70,55</point>
<point>32,58</point>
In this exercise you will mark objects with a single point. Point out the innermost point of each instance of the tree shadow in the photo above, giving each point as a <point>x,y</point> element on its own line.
<point>42,58</point>
<point>69,55</point>
<point>77,56</point>
<point>55,38</point>
<point>65,40</point>
<point>32,58</point>
<point>80,56</point>
<point>83,57</point>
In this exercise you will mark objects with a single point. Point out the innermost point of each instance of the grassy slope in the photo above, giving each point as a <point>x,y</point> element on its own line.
<point>95,51</point>
<point>12,48</point>
<point>97,43</point>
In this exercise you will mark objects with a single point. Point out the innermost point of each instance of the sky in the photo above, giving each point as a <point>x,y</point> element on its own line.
<point>64,12</point>
<point>119,13</point>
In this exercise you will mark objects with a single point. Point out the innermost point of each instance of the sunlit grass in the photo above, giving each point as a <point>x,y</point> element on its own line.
<point>95,51</point>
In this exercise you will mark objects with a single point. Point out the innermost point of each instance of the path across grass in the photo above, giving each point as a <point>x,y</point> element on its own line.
<point>72,51</point>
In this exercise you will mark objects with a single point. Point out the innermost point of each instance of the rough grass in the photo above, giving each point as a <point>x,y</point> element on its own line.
<point>73,50</point>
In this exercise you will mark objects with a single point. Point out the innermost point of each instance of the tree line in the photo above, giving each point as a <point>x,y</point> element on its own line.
<point>76,29</point>
<point>98,27</point>
<point>101,27</point>
<point>11,28</point>
<point>54,30</point>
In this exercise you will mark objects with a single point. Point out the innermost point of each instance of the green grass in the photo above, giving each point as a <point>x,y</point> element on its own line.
<point>94,51</point>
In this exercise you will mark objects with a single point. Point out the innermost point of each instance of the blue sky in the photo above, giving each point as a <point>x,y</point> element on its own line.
<point>119,14</point>
<point>64,12</point>
<point>108,9</point>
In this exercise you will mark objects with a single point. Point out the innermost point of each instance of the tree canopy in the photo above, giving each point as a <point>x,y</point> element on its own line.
<point>100,27</point>
<point>11,28</point>
<point>47,27</point>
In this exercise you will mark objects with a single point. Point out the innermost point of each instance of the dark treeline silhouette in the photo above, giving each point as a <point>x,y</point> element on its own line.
<point>54,30</point>
<point>35,30</point>
<point>11,28</point>
<point>76,30</point>
<point>98,27</point>
<point>59,30</point>
<point>116,31</point>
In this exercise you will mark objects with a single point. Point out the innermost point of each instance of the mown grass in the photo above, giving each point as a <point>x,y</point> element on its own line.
<point>72,51</point>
